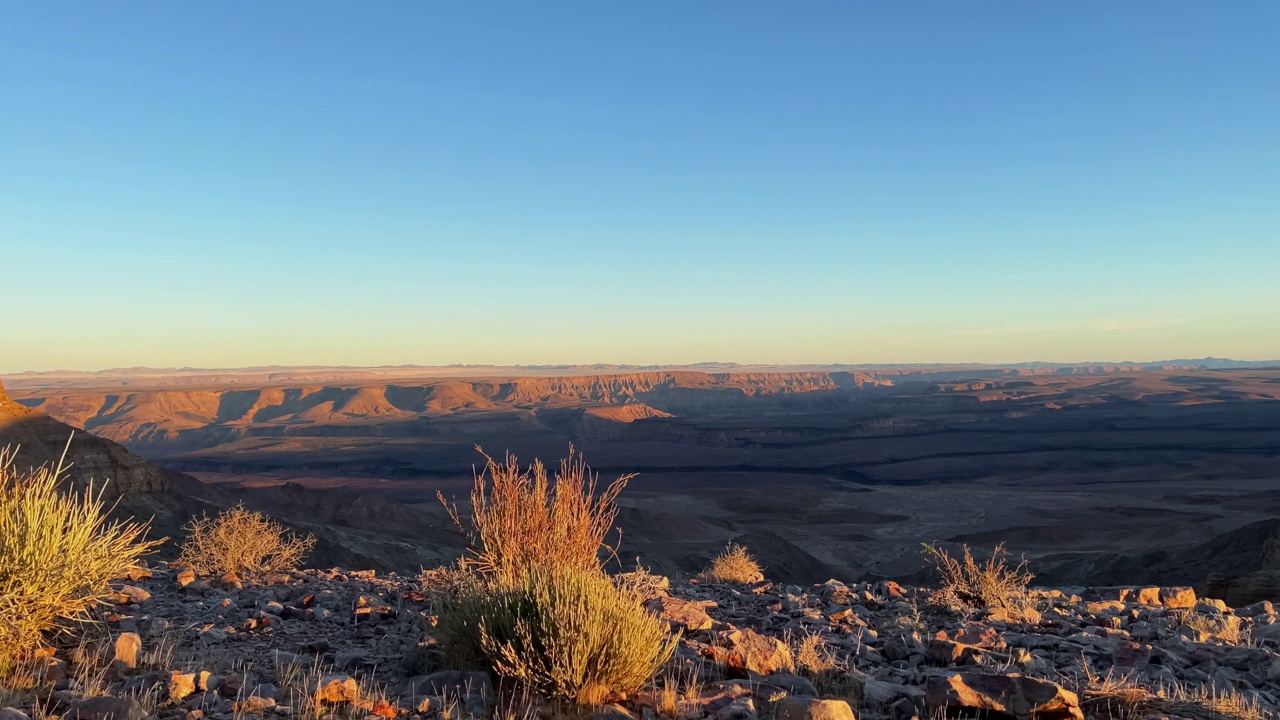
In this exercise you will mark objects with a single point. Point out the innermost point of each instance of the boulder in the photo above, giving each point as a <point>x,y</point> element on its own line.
<point>1177,597</point>
<point>720,695</point>
<point>1016,695</point>
<point>742,708</point>
<point>129,595</point>
<point>882,693</point>
<point>752,652</point>
<point>1146,596</point>
<point>254,705</point>
<point>1263,607</point>
<point>128,647</point>
<point>1132,655</point>
<point>680,614</point>
<point>335,689</point>
<point>804,708</point>
<point>181,685</point>
<point>904,709</point>
<point>789,683</point>
<point>447,683</point>
<point>946,652</point>
<point>983,636</point>
<point>106,708</point>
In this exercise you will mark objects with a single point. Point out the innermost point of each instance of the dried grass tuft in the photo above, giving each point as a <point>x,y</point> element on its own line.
<point>735,564</point>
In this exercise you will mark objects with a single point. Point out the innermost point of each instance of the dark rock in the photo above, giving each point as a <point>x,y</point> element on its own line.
<point>106,708</point>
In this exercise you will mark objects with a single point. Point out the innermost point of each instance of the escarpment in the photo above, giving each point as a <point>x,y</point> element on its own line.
<point>118,472</point>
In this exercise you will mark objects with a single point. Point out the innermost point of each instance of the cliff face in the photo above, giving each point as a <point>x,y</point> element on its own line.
<point>42,440</point>
<point>177,418</point>
<point>170,420</point>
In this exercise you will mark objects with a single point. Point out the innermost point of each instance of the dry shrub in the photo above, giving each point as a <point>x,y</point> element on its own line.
<point>58,553</point>
<point>535,606</point>
<point>1205,702</point>
<point>735,564</point>
<point>676,688</point>
<point>967,583</point>
<point>1226,628</point>
<point>642,584</point>
<point>566,633</point>
<point>668,697</point>
<point>521,519</point>
<point>1113,697</point>
<point>817,662</point>
<point>813,655</point>
<point>242,541</point>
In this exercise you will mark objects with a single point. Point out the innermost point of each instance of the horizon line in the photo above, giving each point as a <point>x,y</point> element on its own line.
<point>653,366</point>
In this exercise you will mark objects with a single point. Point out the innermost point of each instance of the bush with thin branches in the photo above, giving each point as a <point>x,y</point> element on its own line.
<point>242,541</point>
<point>564,632</point>
<point>963,582</point>
<point>521,519</point>
<point>58,553</point>
<point>735,564</point>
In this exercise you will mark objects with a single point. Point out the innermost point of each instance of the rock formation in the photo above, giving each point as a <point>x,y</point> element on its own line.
<point>117,471</point>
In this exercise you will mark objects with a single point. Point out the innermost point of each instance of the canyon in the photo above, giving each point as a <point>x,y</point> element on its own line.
<point>1102,473</point>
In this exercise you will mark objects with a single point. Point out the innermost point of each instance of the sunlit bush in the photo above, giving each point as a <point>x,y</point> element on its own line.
<point>58,553</point>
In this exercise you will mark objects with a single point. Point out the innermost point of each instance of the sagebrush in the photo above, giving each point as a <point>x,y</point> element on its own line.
<point>521,519</point>
<point>58,553</point>
<point>566,633</point>
<point>735,564</point>
<point>242,541</point>
<point>963,582</point>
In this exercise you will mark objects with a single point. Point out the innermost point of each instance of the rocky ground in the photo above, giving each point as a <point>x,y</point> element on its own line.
<point>320,644</point>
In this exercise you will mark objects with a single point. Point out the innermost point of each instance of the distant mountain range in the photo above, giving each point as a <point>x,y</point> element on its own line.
<point>1209,363</point>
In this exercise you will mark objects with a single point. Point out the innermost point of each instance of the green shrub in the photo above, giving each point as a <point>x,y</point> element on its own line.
<point>735,564</point>
<point>562,632</point>
<point>58,554</point>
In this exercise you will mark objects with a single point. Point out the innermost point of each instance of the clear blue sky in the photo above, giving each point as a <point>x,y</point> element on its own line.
<point>224,184</point>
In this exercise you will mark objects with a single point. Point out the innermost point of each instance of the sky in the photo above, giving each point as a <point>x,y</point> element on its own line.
<point>231,184</point>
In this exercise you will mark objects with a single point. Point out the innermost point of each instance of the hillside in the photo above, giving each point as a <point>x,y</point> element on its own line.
<point>351,527</point>
<point>140,488</point>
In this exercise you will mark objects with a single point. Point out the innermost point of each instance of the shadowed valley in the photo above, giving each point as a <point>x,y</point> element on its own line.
<point>1098,473</point>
